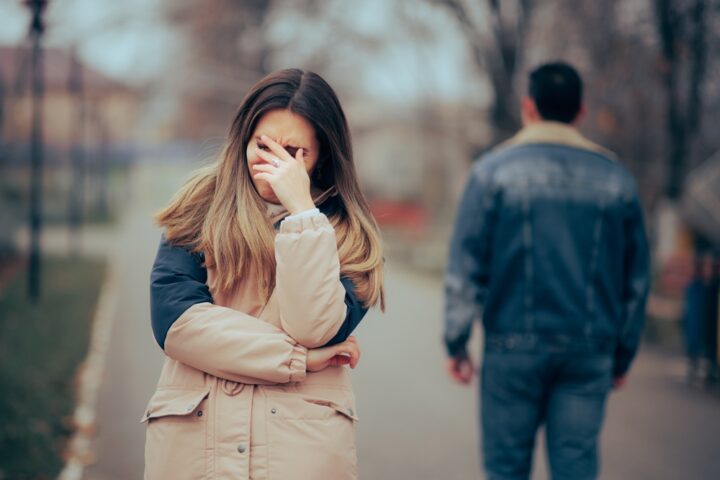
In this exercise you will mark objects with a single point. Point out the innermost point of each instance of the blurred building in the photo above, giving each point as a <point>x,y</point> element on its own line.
<point>416,155</point>
<point>112,108</point>
<point>90,123</point>
<point>413,162</point>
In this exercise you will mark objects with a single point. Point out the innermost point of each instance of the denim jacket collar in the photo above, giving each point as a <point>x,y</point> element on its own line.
<point>555,133</point>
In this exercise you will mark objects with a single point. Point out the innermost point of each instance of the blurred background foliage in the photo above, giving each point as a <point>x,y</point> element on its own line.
<point>428,86</point>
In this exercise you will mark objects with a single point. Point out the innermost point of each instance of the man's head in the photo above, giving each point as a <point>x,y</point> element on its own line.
<point>554,94</point>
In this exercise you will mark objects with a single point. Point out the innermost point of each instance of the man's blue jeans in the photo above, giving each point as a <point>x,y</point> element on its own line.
<point>565,391</point>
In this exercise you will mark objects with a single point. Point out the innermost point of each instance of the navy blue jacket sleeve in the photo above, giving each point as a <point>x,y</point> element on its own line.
<point>178,281</point>
<point>354,314</point>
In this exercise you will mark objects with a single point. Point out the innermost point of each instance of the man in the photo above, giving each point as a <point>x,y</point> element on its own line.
<point>550,250</point>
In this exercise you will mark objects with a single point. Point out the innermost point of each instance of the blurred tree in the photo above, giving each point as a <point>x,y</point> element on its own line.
<point>682,33</point>
<point>3,94</point>
<point>617,60</point>
<point>226,54</point>
<point>8,230</point>
<point>496,33</point>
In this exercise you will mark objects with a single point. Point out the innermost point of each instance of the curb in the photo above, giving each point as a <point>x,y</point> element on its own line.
<point>79,453</point>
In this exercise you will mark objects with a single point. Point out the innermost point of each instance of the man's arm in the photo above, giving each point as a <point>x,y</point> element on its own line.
<point>636,260</point>
<point>468,270</point>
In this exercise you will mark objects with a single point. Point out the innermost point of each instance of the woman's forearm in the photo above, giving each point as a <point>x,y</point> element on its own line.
<point>229,344</point>
<point>310,294</point>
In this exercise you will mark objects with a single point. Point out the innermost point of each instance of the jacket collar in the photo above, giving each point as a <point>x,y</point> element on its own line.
<point>277,212</point>
<point>555,133</point>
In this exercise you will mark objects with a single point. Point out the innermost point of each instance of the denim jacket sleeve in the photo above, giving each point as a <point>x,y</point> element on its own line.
<point>637,284</point>
<point>178,282</point>
<point>468,271</point>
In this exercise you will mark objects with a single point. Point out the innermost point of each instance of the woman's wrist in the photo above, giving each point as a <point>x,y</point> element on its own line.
<point>301,206</point>
<point>304,214</point>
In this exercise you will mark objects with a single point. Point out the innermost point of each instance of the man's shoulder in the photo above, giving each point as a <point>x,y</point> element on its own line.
<point>558,135</point>
<point>517,159</point>
<point>507,152</point>
<point>520,150</point>
<point>494,158</point>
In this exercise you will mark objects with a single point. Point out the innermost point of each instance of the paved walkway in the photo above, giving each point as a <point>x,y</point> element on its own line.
<point>414,423</point>
<point>134,359</point>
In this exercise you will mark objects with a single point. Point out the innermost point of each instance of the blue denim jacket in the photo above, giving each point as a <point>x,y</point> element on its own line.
<point>549,248</point>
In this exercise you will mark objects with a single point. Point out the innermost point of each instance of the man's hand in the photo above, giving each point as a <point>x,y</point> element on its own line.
<point>461,369</point>
<point>619,382</point>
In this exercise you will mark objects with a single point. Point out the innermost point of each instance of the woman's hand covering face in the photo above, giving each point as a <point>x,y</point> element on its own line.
<point>287,175</point>
<point>281,156</point>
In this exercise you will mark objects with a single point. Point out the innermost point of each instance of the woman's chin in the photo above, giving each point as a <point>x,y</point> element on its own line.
<point>266,193</point>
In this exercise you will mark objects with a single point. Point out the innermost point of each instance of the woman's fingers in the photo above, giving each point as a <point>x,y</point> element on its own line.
<point>339,360</point>
<point>353,341</point>
<point>354,360</point>
<point>274,160</point>
<point>276,148</point>
<point>264,167</point>
<point>263,176</point>
<point>345,353</point>
<point>300,157</point>
<point>352,350</point>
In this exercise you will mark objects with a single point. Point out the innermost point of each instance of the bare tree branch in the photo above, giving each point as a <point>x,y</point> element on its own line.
<point>500,56</point>
<point>682,32</point>
<point>698,68</point>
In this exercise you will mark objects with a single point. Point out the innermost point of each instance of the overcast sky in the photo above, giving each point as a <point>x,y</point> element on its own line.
<point>127,40</point>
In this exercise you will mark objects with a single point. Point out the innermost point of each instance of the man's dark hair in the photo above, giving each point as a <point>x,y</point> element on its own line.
<point>556,89</point>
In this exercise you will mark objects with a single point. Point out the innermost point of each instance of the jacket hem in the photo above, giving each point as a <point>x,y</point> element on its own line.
<point>531,342</point>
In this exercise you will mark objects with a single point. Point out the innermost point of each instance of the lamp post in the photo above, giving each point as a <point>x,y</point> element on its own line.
<point>77,200</point>
<point>37,27</point>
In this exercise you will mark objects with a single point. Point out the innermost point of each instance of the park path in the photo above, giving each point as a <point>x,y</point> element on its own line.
<point>134,359</point>
<point>414,424</point>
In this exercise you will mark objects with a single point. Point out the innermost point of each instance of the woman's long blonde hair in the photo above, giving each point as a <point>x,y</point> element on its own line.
<point>219,212</point>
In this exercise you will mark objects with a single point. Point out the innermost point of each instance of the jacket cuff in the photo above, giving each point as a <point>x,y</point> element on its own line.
<point>307,213</point>
<point>298,364</point>
<point>298,225</point>
<point>622,361</point>
<point>456,348</point>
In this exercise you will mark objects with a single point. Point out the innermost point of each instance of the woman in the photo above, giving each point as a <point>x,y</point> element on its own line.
<point>269,260</point>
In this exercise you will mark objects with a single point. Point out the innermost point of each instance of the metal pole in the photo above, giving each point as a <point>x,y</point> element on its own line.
<point>77,191</point>
<point>103,168</point>
<point>36,147</point>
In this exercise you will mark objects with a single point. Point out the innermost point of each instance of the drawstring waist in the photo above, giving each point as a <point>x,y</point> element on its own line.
<point>232,388</point>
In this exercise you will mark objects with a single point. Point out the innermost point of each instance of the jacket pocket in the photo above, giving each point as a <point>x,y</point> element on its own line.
<point>175,442</point>
<point>331,408</point>
<point>310,438</point>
